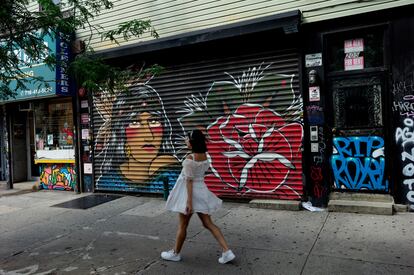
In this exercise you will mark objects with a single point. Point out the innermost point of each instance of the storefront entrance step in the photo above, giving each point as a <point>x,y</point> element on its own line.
<point>361,207</point>
<point>400,208</point>
<point>275,204</point>
<point>88,201</point>
<point>354,196</point>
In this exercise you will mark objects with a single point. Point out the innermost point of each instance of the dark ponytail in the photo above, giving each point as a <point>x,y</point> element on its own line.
<point>197,141</point>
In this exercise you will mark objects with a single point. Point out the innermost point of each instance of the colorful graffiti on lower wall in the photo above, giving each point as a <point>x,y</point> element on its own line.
<point>57,176</point>
<point>358,163</point>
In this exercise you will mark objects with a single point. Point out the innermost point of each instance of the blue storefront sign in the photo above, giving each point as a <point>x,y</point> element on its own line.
<point>56,77</point>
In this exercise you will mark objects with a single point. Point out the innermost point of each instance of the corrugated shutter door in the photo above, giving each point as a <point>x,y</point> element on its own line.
<point>249,107</point>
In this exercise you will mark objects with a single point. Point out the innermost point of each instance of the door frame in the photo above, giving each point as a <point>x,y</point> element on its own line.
<point>382,72</point>
<point>382,131</point>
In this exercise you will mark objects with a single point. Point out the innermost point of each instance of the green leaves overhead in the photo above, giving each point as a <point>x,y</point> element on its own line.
<point>24,24</point>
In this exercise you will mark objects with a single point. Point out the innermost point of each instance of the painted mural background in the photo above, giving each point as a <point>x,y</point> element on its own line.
<point>253,123</point>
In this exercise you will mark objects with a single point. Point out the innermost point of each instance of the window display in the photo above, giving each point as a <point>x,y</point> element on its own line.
<point>54,133</point>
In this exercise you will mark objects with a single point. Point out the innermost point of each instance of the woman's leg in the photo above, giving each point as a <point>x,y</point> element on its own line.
<point>208,223</point>
<point>182,231</point>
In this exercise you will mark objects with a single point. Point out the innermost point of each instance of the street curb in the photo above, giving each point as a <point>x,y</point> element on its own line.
<point>276,204</point>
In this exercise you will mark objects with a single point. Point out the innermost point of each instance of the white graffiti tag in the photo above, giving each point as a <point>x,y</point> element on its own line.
<point>405,136</point>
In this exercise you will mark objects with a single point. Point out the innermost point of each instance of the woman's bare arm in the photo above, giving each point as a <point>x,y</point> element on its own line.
<point>189,185</point>
<point>189,208</point>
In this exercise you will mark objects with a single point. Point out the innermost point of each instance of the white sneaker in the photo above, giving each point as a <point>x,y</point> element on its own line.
<point>171,256</point>
<point>226,257</point>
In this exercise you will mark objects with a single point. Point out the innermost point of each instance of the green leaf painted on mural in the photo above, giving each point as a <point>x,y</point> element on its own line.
<point>223,98</point>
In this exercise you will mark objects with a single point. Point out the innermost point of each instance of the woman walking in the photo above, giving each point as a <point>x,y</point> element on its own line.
<point>191,195</point>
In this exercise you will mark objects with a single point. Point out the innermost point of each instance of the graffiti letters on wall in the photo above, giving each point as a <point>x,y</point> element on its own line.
<point>315,114</point>
<point>358,163</point>
<point>316,168</point>
<point>58,176</point>
<point>405,138</point>
<point>250,135</point>
<point>404,135</point>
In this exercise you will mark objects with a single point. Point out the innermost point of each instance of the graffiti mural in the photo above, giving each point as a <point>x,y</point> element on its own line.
<point>251,133</point>
<point>318,182</point>
<point>358,163</point>
<point>316,176</point>
<point>136,147</point>
<point>405,138</point>
<point>315,114</point>
<point>404,135</point>
<point>57,176</point>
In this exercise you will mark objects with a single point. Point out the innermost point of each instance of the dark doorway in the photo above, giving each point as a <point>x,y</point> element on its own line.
<point>19,144</point>
<point>358,157</point>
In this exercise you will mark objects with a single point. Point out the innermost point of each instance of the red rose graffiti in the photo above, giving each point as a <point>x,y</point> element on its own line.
<point>249,149</point>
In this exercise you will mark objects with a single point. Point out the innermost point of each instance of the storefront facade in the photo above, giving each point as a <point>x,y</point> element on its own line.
<point>357,104</point>
<point>291,111</point>
<point>246,100</point>
<point>39,127</point>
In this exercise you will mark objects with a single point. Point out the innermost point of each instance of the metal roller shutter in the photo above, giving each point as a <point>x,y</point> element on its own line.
<point>249,107</point>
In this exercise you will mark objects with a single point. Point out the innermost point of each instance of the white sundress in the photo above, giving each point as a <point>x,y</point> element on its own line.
<point>204,201</point>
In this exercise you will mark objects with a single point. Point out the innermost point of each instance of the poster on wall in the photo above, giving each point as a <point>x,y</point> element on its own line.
<point>353,49</point>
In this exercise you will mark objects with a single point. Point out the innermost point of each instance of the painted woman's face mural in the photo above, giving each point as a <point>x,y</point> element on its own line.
<point>138,153</point>
<point>144,137</point>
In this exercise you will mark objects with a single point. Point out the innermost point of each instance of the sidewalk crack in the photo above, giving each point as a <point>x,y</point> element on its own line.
<point>146,267</point>
<point>314,243</point>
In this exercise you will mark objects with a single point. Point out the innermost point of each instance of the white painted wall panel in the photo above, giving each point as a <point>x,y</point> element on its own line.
<point>172,17</point>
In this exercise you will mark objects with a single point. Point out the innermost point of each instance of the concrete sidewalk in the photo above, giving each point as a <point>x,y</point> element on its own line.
<point>126,236</point>
<point>18,188</point>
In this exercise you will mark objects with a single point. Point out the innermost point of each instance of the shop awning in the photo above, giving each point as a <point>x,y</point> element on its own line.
<point>288,21</point>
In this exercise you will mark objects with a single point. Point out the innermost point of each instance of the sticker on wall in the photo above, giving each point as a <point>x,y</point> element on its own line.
<point>84,118</point>
<point>314,147</point>
<point>314,93</point>
<point>314,133</point>
<point>313,60</point>
<point>84,104</point>
<point>85,134</point>
<point>87,168</point>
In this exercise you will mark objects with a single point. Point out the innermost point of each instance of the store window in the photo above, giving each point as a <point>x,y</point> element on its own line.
<point>355,50</point>
<point>54,135</point>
